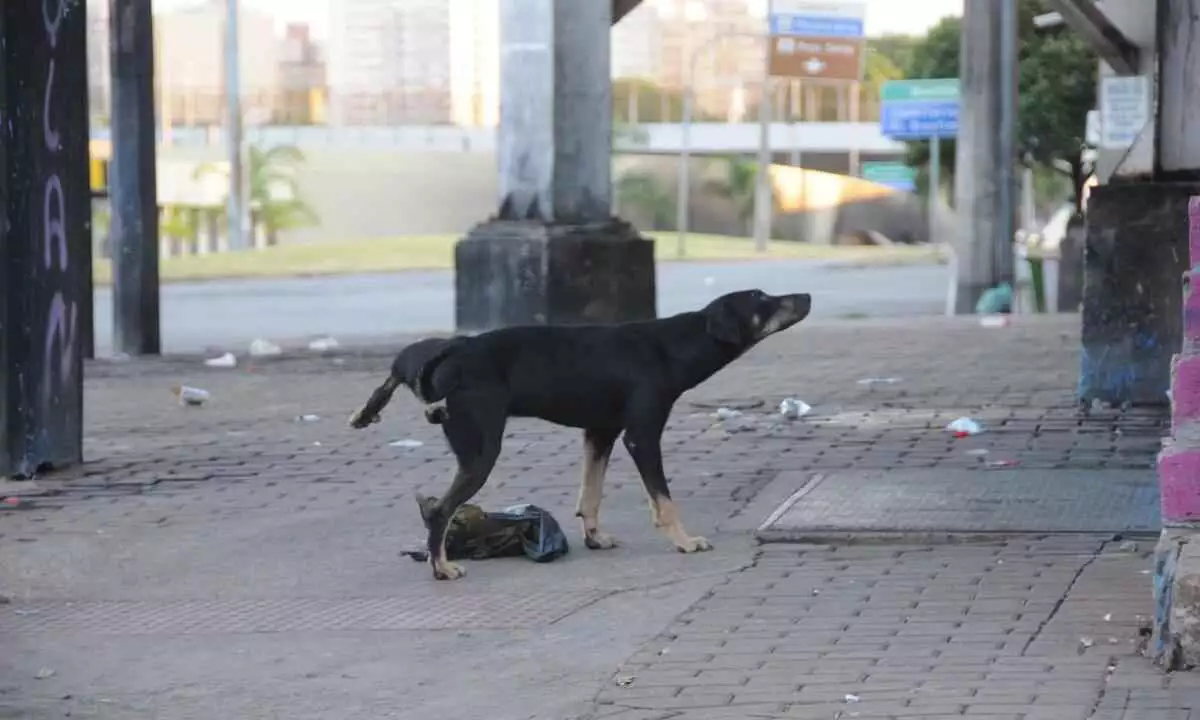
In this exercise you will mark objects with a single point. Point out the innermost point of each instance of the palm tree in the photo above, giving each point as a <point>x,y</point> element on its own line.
<point>180,225</point>
<point>275,198</point>
<point>641,190</point>
<point>738,185</point>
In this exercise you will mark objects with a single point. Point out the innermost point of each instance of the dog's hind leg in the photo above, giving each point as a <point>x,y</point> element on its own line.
<point>643,439</point>
<point>597,449</point>
<point>474,429</point>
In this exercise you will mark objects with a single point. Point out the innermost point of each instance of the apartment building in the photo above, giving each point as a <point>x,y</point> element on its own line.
<point>302,78</point>
<point>389,62</point>
<point>191,64</point>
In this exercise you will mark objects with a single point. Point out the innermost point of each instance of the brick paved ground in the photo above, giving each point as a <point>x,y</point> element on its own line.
<point>230,561</point>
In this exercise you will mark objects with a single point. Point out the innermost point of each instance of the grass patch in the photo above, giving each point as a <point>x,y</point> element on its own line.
<point>436,252</point>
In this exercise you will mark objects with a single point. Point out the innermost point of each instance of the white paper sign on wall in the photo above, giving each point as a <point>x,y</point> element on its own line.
<point>1124,109</point>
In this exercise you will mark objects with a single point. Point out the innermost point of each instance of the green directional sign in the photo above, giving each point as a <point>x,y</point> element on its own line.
<point>892,174</point>
<point>920,90</point>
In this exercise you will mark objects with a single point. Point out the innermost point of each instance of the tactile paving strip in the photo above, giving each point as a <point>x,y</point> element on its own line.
<point>425,611</point>
<point>954,501</point>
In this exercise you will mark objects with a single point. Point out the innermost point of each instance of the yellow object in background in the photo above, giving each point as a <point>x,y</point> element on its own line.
<point>99,153</point>
<point>800,190</point>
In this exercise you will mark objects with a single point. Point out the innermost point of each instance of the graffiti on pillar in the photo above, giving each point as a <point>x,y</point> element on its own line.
<point>61,314</point>
<point>48,210</point>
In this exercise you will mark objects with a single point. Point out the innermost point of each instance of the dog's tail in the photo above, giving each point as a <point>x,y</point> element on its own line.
<point>420,380</point>
<point>369,414</point>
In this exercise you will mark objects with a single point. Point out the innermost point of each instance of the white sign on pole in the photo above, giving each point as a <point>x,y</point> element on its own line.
<point>1124,109</point>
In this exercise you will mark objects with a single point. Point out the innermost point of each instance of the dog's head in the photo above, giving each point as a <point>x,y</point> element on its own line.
<point>746,317</point>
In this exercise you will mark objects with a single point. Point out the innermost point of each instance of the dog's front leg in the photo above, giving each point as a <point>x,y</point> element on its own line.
<point>474,429</point>
<point>597,449</point>
<point>644,443</point>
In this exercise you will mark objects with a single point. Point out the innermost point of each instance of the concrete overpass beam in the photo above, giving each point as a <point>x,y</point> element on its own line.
<point>621,8</point>
<point>554,253</point>
<point>1088,19</point>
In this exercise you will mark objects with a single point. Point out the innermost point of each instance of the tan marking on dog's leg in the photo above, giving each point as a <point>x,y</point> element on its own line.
<point>666,518</point>
<point>443,569</point>
<point>591,492</point>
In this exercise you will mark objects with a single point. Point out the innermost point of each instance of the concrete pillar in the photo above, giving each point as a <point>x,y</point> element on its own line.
<point>984,242</point>
<point>554,253</point>
<point>45,243</point>
<point>1176,640</point>
<point>132,187</point>
<point>1137,235</point>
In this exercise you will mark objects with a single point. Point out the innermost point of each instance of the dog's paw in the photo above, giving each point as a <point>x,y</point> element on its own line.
<point>436,414</point>
<point>448,571</point>
<point>358,421</point>
<point>599,541</point>
<point>693,544</point>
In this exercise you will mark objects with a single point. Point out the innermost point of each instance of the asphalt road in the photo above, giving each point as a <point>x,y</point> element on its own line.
<point>230,314</point>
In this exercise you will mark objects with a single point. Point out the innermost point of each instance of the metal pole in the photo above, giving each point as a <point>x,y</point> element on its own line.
<point>683,198</point>
<point>797,157</point>
<point>794,122</point>
<point>1005,230</point>
<point>855,90</point>
<point>233,104</point>
<point>935,237</point>
<point>935,180</point>
<point>763,204</point>
<point>684,180</point>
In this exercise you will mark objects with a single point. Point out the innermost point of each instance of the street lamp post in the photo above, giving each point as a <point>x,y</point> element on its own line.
<point>685,150</point>
<point>233,103</point>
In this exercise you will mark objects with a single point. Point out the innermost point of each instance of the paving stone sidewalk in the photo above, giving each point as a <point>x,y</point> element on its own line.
<point>239,560</point>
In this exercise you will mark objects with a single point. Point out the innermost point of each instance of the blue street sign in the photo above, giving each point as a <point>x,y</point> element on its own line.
<point>919,109</point>
<point>816,25</point>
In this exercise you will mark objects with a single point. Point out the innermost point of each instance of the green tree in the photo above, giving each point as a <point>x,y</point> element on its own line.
<point>275,196</point>
<point>738,184</point>
<point>1057,88</point>
<point>180,224</point>
<point>644,192</point>
<point>897,49</point>
<point>878,69</point>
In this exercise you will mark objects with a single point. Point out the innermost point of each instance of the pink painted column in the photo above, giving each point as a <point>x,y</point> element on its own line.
<point>1179,461</point>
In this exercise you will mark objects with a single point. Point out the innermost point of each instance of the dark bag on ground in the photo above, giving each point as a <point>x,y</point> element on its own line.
<point>475,534</point>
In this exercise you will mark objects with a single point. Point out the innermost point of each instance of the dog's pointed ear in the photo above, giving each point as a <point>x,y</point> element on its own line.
<point>723,323</point>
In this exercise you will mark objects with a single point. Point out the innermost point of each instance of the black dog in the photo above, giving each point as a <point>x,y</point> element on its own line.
<point>606,380</point>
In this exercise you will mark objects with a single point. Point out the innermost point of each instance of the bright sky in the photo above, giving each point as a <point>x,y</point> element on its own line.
<point>883,16</point>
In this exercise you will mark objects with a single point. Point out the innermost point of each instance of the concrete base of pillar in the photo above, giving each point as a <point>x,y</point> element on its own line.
<point>1137,250</point>
<point>531,272</point>
<point>1175,642</point>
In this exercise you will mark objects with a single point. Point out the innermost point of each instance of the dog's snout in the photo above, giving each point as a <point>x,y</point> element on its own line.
<point>799,303</point>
